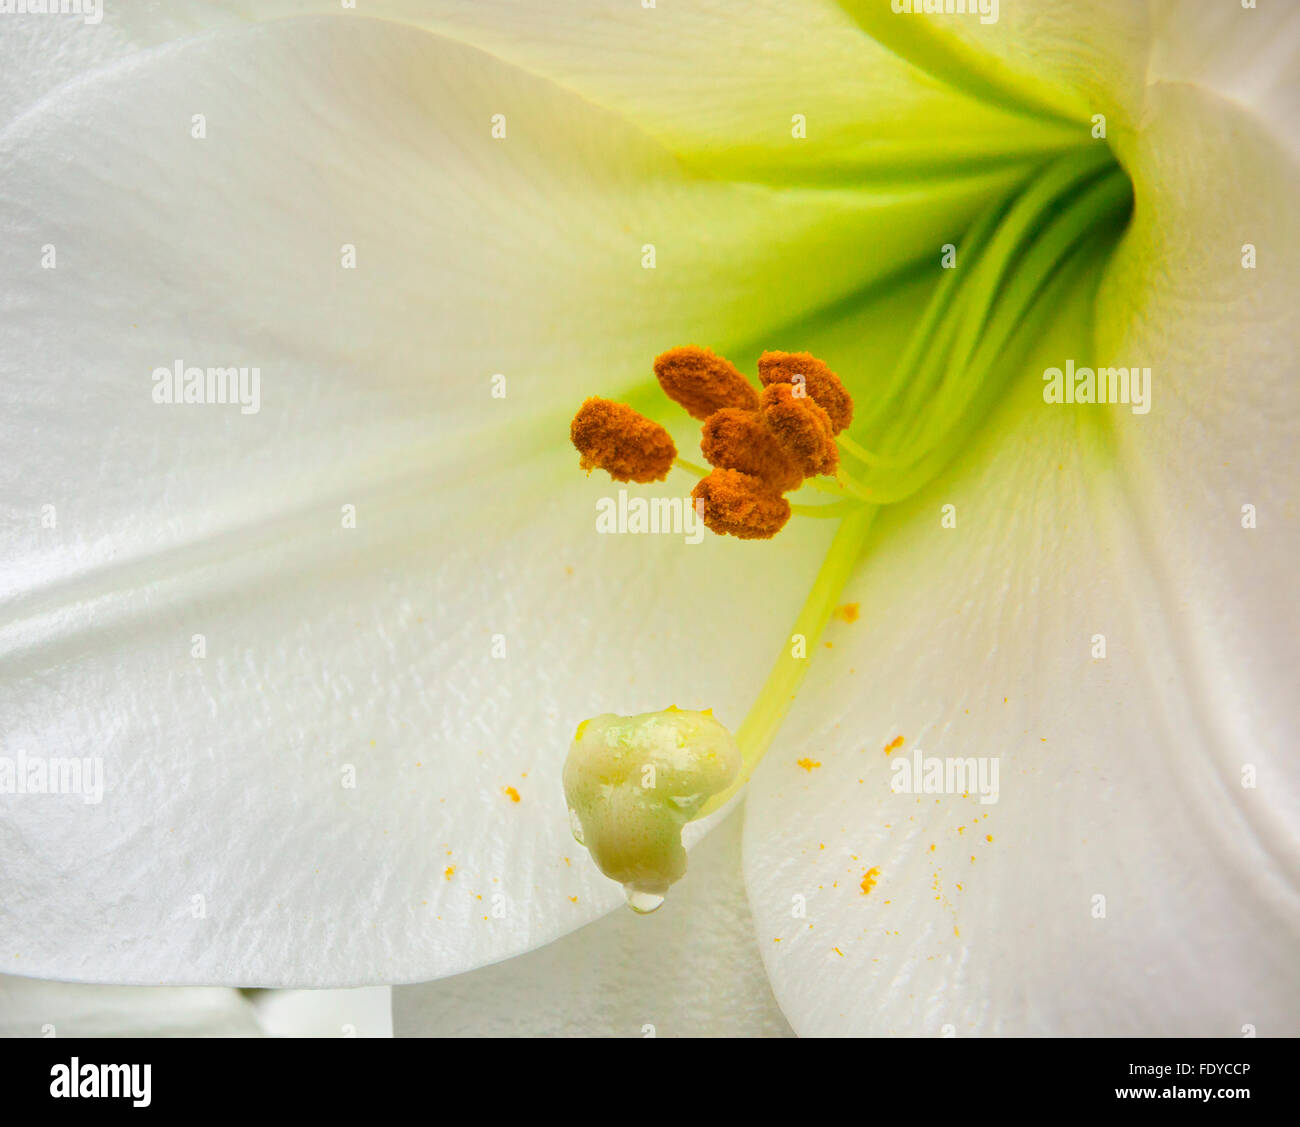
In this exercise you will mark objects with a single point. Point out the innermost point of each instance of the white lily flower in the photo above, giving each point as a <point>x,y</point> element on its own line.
<point>326,644</point>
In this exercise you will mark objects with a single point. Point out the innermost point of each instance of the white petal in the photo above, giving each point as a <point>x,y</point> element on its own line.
<point>1072,58</point>
<point>1251,55</point>
<point>719,88</point>
<point>366,1012</point>
<point>40,51</point>
<point>688,970</point>
<point>721,84</point>
<point>229,846</point>
<point>31,1007</point>
<point>1225,413</point>
<point>1123,778</point>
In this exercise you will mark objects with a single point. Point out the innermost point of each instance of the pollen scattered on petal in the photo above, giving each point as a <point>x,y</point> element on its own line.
<point>869,880</point>
<point>613,437</point>
<point>803,429</point>
<point>847,613</point>
<point>808,765</point>
<point>702,381</point>
<point>894,744</point>
<point>735,439</point>
<point>822,385</point>
<point>737,504</point>
<point>510,793</point>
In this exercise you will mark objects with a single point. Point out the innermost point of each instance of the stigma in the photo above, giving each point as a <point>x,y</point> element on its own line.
<point>632,783</point>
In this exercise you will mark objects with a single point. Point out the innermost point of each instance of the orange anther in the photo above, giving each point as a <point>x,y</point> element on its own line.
<point>821,384</point>
<point>803,429</point>
<point>621,441</point>
<point>737,504</point>
<point>734,439</point>
<point>703,382</point>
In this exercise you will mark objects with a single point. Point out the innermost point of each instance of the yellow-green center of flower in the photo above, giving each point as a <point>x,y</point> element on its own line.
<point>805,429</point>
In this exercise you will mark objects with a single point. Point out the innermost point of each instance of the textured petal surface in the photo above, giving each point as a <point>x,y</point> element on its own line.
<point>31,1007</point>
<point>40,51</point>
<point>1138,872</point>
<point>688,970</point>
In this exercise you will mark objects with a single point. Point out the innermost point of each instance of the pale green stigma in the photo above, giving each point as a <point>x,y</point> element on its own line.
<point>633,782</point>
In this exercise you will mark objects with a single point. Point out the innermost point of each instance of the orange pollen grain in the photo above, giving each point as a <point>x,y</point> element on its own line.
<point>808,765</point>
<point>623,442</point>
<point>449,872</point>
<point>802,428</point>
<point>894,744</point>
<point>511,793</point>
<point>732,503</point>
<point>702,381</point>
<point>847,613</point>
<point>869,880</point>
<point>822,385</point>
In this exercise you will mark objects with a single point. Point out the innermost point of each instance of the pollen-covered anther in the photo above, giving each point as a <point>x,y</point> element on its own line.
<point>803,429</point>
<point>820,384</point>
<point>737,504</point>
<point>734,439</point>
<point>621,441</point>
<point>702,381</point>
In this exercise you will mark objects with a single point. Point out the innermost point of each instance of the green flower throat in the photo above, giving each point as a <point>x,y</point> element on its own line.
<point>632,782</point>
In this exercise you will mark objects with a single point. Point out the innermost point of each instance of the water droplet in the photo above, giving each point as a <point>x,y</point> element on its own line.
<point>575,826</point>
<point>640,901</point>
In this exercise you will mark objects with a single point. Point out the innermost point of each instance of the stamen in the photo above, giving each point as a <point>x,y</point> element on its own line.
<point>802,427</point>
<point>690,468</point>
<point>621,441</point>
<point>822,385</point>
<point>761,446</point>
<point>737,504</point>
<point>733,439</point>
<point>703,382</point>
